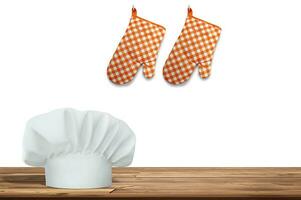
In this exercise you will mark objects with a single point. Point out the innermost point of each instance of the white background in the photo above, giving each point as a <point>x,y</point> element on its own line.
<point>54,54</point>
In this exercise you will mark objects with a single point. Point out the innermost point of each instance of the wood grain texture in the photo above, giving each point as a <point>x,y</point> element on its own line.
<point>163,183</point>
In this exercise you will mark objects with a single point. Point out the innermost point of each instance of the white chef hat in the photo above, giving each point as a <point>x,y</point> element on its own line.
<point>78,148</point>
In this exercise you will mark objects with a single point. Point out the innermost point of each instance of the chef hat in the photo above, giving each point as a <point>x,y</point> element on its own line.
<point>78,149</point>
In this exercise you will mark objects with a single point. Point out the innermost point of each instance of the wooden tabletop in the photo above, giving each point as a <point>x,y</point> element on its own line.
<point>164,183</point>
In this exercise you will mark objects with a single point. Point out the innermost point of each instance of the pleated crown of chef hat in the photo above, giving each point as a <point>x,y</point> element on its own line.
<point>78,148</point>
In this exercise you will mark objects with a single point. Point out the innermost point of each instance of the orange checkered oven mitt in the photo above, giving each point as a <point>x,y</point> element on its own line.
<point>194,48</point>
<point>138,48</point>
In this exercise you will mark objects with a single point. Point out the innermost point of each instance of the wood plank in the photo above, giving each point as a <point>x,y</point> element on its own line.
<point>184,171</point>
<point>149,183</point>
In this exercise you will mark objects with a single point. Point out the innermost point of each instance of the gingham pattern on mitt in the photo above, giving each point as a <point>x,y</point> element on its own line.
<point>194,47</point>
<point>138,48</point>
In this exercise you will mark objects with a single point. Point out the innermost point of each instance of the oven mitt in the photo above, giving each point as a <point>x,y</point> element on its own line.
<point>138,48</point>
<point>194,47</point>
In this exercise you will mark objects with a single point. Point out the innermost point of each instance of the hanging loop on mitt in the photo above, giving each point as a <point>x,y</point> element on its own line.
<point>134,11</point>
<point>190,13</point>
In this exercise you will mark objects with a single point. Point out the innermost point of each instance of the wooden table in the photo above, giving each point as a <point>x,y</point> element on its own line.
<point>163,183</point>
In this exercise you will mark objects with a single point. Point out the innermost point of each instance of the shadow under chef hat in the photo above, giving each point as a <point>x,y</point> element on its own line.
<point>78,148</point>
